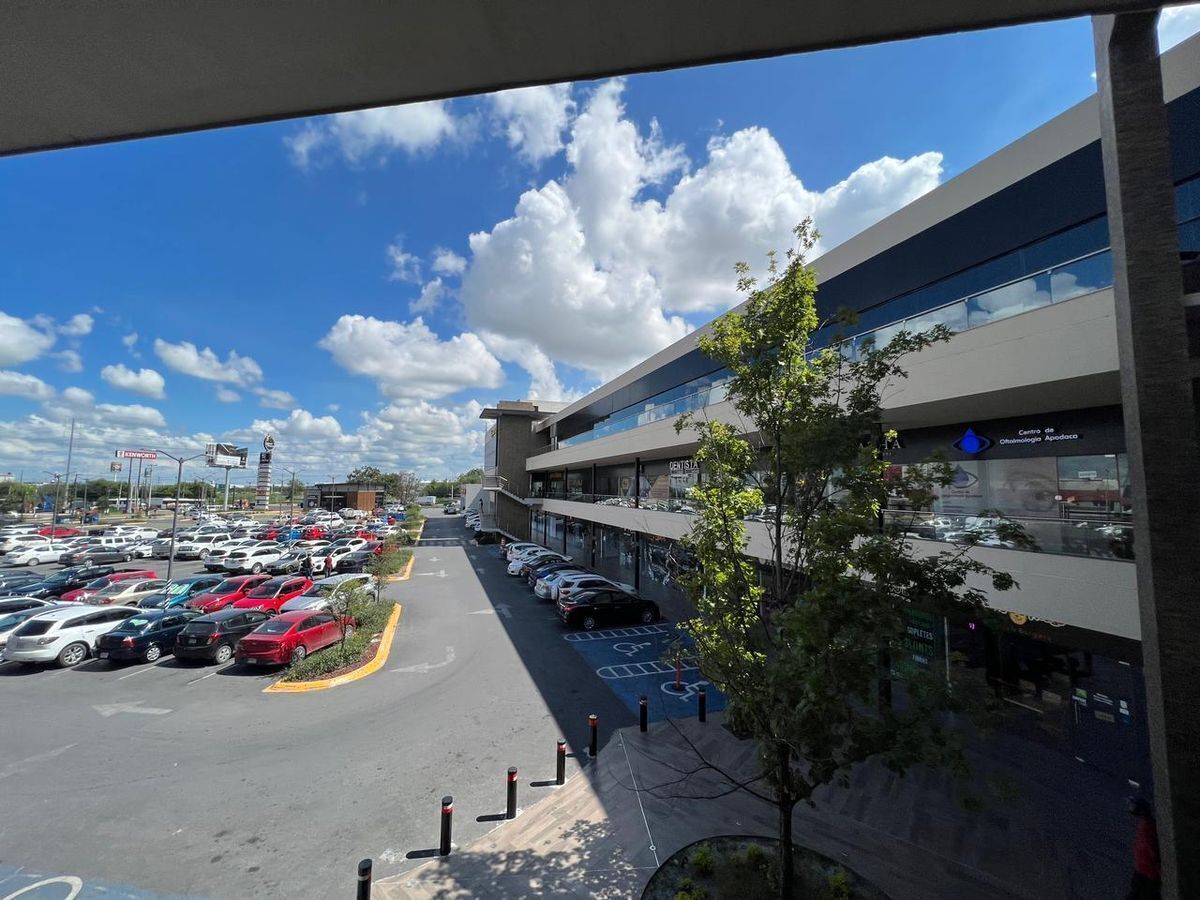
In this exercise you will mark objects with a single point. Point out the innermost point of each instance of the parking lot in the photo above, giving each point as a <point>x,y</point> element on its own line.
<point>173,779</point>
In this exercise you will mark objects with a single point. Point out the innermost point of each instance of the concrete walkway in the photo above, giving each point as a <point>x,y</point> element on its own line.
<point>604,832</point>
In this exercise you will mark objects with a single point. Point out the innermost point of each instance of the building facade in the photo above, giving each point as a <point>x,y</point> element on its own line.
<point>1012,255</point>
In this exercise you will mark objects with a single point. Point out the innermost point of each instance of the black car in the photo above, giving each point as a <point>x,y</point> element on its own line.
<point>355,562</point>
<point>602,608</point>
<point>12,584</point>
<point>66,580</point>
<point>549,569</point>
<point>212,638</point>
<point>20,604</point>
<point>146,636</point>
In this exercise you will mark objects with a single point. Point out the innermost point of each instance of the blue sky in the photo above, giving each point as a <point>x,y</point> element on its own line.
<point>334,258</point>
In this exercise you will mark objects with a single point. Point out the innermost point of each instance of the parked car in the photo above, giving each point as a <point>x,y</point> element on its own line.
<point>126,593</point>
<point>9,543</point>
<point>32,555</point>
<point>537,574</point>
<point>291,636</point>
<point>603,608</point>
<point>66,635</point>
<point>133,532</point>
<point>293,560</point>
<point>65,580</point>
<point>356,561</point>
<point>143,550</point>
<point>576,584</point>
<point>252,559</point>
<point>272,594</point>
<point>215,561</point>
<point>11,620</point>
<point>319,595</point>
<point>19,604</point>
<point>59,531</point>
<point>145,636</point>
<point>98,555</point>
<point>199,546</point>
<point>214,637</point>
<point>521,565</point>
<point>546,587</point>
<point>225,593</point>
<point>15,582</point>
<point>178,591</point>
<point>513,549</point>
<point>81,595</point>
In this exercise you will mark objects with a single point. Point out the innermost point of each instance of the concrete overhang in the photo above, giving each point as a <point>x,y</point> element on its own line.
<point>75,72</point>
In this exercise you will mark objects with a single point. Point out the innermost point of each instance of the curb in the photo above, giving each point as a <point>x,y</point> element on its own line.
<point>324,684</point>
<point>403,576</point>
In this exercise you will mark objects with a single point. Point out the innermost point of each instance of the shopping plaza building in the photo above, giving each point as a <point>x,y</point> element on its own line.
<point>1013,256</point>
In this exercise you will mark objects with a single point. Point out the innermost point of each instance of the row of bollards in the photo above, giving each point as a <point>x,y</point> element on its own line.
<point>560,777</point>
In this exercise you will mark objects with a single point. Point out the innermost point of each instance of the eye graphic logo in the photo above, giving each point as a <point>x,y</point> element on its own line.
<point>972,443</point>
<point>962,478</point>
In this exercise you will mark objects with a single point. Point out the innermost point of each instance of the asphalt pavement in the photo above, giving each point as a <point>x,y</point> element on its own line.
<point>181,780</point>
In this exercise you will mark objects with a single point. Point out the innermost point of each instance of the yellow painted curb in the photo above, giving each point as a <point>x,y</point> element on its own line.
<point>324,684</point>
<point>403,576</point>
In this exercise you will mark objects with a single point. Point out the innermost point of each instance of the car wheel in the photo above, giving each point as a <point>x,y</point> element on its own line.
<point>349,632</point>
<point>223,654</point>
<point>127,557</point>
<point>35,561</point>
<point>648,616</point>
<point>153,653</point>
<point>256,569</point>
<point>204,554</point>
<point>299,653</point>
<point>588,623</point>
<point>72,655</point>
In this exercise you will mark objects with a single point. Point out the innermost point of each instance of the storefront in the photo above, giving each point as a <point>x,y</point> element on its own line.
<point>1063,477</point>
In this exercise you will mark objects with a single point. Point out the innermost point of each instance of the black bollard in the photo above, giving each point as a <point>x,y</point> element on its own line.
<point>643,714</point>
<point>594,738</point>
<point>447,824</point>
<point>561,765</point>
<point>703,705</point>
<point>364,880</point>
<point>512,793</point>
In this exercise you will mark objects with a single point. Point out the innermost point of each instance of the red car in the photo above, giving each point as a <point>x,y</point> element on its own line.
<point>270,595</point>
<point>313,533</point>
<point>291,636</point>
<point>374,546</point>
<point>59,531</point>
<point>81,595</point>
<point>226,593</point>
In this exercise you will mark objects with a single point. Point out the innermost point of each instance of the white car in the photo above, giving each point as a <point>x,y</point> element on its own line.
<point>33,554</point>
<point>133,532</point>
<point>215,561</point>
<point>18,541</point>
<point>317,596</point>
<point>11,621</point>
<point>520,562</point>
<point>66,634</point>
<point>144,550</point>
<point>545,587</point>
<point>574,584</point>
<point>252,560</point>
<point>201,545</point>
<point>513,549</point>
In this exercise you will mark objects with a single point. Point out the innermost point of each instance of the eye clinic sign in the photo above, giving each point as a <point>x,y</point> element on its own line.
<point>1038,436</point>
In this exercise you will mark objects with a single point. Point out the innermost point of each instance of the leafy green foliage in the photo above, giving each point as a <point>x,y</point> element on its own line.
<point>370,617</point>
<point>702,860</point>
<point>804,653</point>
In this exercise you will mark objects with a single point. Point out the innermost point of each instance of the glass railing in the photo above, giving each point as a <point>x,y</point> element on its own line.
<point>1108,538</point>
<point>1054,285</point>
<point>673,504</point>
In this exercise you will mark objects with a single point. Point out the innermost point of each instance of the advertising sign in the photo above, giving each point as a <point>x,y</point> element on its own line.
<point>262,490</point>
<point>226,456</point>
<point>114,467</point>
<point>150,455</point>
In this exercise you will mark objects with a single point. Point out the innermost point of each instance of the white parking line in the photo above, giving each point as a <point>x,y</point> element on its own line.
<point>653,667</point>
<point>138,672</point>
<point>636,631</point>
<point>202,677</point>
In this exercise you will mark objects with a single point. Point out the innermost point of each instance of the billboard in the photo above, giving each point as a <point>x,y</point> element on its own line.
<point>150,455</point>
<point>225,456</point>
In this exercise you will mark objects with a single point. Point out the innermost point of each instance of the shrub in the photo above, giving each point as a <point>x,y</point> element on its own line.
<point>755,855</point>
<point>839,885</point>
<point>688,890</point>
<point>702,860</point>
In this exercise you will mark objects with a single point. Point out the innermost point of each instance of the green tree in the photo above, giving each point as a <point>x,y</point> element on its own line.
<point>366,475</point>
<point>806,654</point>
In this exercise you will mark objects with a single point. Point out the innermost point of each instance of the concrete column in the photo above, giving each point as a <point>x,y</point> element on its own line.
<point>1160,425</point>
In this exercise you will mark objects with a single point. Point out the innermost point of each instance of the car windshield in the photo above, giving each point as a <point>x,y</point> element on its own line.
<point>173,589</point>
<point>137,623</point>
<point>226,587</point>
<point>97,585</point>
<point>275,626</point>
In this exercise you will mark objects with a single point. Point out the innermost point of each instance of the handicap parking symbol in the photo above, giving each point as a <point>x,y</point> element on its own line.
<point>630,649</point>
<point>686,690</point>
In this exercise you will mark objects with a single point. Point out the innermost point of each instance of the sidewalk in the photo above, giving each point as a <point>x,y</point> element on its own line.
<point>599,837</point>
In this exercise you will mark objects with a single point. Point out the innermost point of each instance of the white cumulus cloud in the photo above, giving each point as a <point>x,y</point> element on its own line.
<point>447,262</point>
<point>407,359</point>
<point>635,237</point>
<point>533,119</point>
<point>69,360</point>
<point>146,382</point>
<point>225,395</point>
<point>405,266</point>
<point>22,341</point>
<point>431,295</point>
<point>274,399</point>
<point>19,384</point>
<point>186,358</point>
<point>1176,24</point>
<point>79,325</point>
<point>373,133</point>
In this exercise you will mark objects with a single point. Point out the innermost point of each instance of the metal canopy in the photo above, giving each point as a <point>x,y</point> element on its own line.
<point>86,71</point>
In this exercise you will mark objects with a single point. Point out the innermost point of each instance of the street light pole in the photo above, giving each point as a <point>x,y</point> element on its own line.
<point>180,460</point>
<point>291,491</point>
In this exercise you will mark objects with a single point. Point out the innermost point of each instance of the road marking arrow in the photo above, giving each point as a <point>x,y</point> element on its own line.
<point>136,707</point>
<point>424,668</point>
<point>502,608</point>
<point>441,573</point>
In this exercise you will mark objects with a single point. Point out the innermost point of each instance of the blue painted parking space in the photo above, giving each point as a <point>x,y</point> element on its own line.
<point>28,885</point>
<point>635,661</point>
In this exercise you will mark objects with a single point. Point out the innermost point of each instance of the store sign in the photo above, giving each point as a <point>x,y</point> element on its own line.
<point>972,443</point>
<point>683,466</point>
<point>137,454</point>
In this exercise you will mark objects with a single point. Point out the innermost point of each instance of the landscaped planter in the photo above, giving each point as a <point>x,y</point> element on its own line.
<point>743,867</point>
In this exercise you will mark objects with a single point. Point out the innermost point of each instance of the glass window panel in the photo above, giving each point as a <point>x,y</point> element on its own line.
<point>1010,300</point>
<point>1081,277</point>
<point>1021,487</point>
<point>953,317</point>
<point>1089,483</point>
